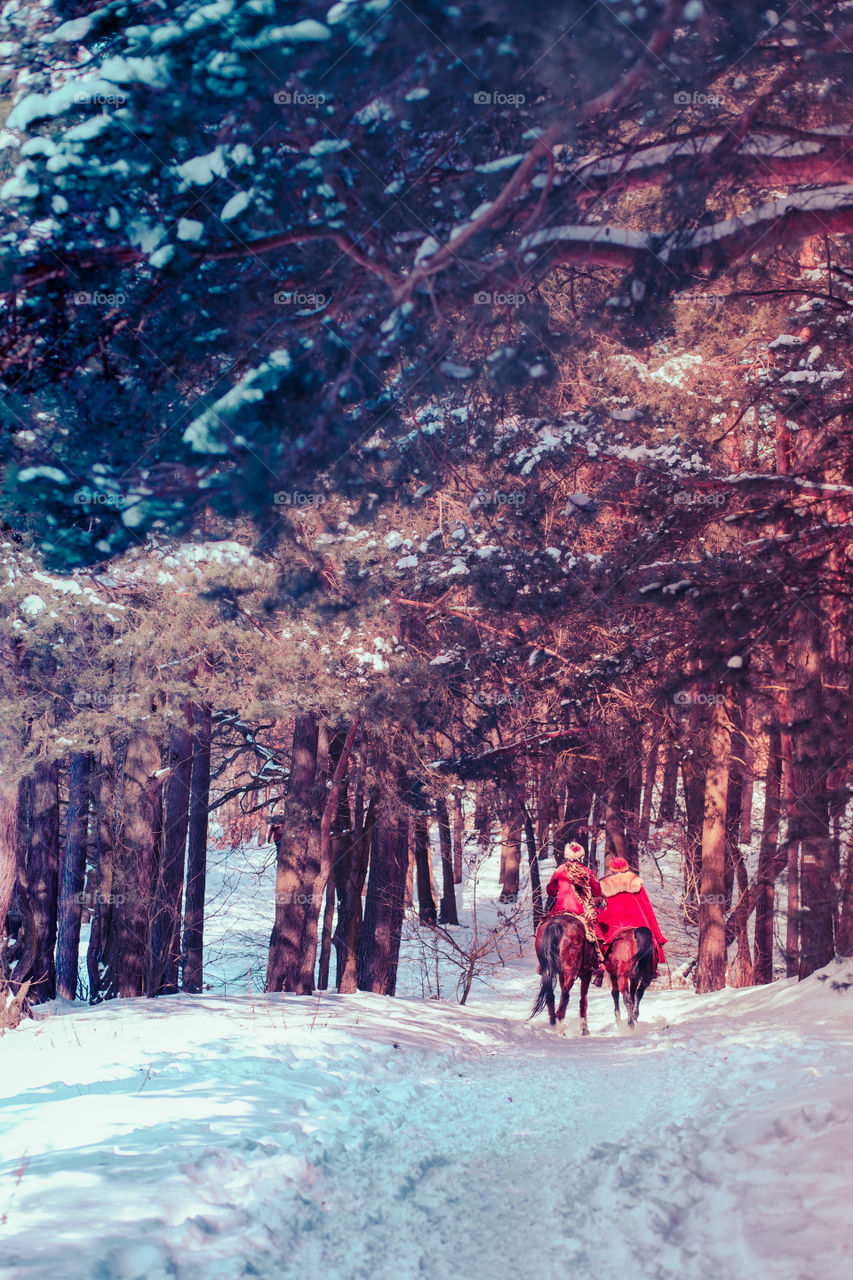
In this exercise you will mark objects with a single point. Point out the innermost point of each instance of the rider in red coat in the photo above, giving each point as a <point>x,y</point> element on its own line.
<point>627,905</point>
<point>575,886</point>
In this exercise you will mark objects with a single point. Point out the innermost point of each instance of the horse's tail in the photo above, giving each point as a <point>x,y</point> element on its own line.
<point>549,961</point>
<point>643,964</point>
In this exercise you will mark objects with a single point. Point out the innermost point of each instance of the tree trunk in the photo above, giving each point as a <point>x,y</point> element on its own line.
<point>748,776</point>
<point>43,876</point>
<point>383,909</point>
<point>73,878</point>
<point>447,913</point>
<point>711,964</point>
<point>168,900</point>
<point>533,860</point>
<point>845,925</point>
<point>292,837</point>
<point>810,816</point>
<point>316,886</point>
<point>735,797</point>
<point>614,820</point>
<point>134,867</point>
<point>767,861</point>
<point>510,852</point>
<point>11,1005</point>
<point>426,903</point>
<point>193,949</point>
<point>349,947</point>
<point>102,907</point>
<point>458,835</point>
<point>648,790</point>
<point>669,784</point>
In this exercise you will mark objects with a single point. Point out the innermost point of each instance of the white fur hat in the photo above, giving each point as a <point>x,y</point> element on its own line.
<point>575,852</point>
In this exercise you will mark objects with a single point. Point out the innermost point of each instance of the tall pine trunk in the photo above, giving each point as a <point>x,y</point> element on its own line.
<point>292,839</point>
<point>379,944</point>
<point>427,913</point>
<point>135,866</point>
<point>349,944</point>
<point>72,878</point>
<point>168,899</point>
<point>102,907</point>
<point>193,950</point>
<point>711,965</point>
<point>317,874</point>
<point>510,851</point>
<point>43,876</point>
<point>767,861</point>
<point>458,835</point>
<point>447,913</point>
<point>810,816</point>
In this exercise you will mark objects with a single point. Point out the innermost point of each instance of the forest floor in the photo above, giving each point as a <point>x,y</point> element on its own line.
<point>213,1137</point>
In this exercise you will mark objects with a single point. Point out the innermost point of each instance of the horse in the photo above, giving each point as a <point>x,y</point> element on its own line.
<point>563,952</point>
<point>630,962</point>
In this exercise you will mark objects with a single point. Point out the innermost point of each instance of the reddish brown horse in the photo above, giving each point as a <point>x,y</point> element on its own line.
<point>563,952</point>
<point>630,961</point>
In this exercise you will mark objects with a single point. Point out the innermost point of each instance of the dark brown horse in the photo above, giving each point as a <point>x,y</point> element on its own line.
<point>630,961</point>
<point>563,952</point>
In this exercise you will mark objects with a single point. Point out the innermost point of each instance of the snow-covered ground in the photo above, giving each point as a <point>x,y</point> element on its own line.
<point>232,1135</point>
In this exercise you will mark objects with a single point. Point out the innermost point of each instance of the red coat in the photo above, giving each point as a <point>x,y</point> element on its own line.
<point>628,907</point>
<point>561,888</point>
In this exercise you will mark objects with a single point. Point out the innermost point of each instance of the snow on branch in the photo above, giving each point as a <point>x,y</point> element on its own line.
<point>827,210</point>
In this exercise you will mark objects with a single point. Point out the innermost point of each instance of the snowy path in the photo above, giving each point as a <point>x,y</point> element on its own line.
<point>361,1137</point>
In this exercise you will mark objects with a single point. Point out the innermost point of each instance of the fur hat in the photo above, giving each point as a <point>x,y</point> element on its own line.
<point>575,851</point>
<point>618,864</point>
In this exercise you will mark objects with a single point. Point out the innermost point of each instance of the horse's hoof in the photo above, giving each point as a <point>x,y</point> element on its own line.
<point>584,1030</point>
<point>560,1028</point>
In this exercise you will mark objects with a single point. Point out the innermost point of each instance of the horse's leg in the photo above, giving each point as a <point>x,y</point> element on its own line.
<point>549,1003</point>
<point>563,1006</point>
<point>627,997</point>
<point>586,977</point>
<point>614,991</point>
